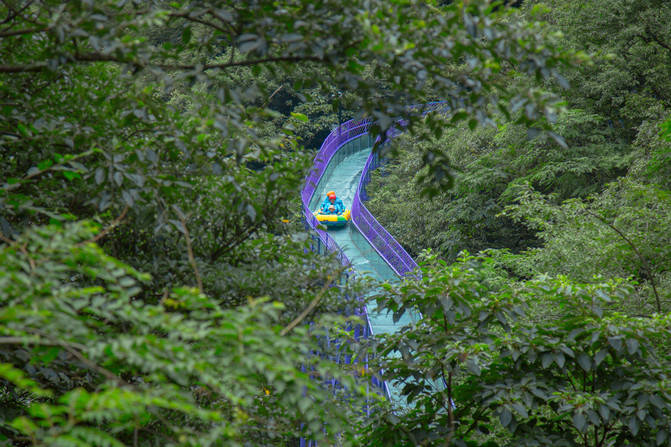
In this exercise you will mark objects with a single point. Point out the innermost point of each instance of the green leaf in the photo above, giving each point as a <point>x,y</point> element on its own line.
<point>354,66</point>
<point>616,343</point>
<point>558,139</point>
<point>521,410</point>
<point>505,417</point>
<point>600,356</point>
<point>99,176</point>
<point>546,359</point>
<point>248,43</point>
<point>657,401</point>
<point>71,175</point>
<point>24,425</point>
<point>45,164</point>
<point>18,378</point>
<point>23,130</point>
<point>580,422</point>
<point>661,436</point>
<point>49,354</point>
<point>459,116</point>
<point>473,366</point>
<point>584,361</point>
<point>186,35</point>
<point>633,425</point>
<point>604,411</point>
<point>559,359</point>
<point>300,116</point>
<point>632,345</point>
<point>251,212</point>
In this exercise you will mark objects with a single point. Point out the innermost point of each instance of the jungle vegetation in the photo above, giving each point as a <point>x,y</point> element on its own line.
<point>156,286</point>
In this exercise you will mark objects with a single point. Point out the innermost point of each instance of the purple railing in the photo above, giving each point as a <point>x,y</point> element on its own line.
<point>337,138</point>
<point>384,243</point>
<point>378,237</point>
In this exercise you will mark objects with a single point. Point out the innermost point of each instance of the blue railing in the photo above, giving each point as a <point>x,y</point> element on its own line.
<point>379,238</point>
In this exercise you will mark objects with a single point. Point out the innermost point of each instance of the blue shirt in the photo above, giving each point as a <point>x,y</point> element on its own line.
<point>337,203</point>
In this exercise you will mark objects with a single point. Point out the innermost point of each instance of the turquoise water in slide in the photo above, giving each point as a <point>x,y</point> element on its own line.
<point>343,176</point>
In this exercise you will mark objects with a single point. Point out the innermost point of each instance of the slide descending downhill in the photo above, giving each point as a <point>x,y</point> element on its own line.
<point>342,174</point>
<point>344,179</point>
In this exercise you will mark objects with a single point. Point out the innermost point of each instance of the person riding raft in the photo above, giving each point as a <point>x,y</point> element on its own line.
<point>332,204</point>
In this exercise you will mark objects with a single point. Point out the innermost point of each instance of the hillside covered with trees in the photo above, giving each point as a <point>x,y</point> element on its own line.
<point>157,285</point>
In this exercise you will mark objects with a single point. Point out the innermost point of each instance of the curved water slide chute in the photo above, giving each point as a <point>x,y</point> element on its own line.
<point>343,164</point>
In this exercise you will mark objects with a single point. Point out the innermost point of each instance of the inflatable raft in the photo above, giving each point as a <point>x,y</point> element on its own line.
<point>333,220</point>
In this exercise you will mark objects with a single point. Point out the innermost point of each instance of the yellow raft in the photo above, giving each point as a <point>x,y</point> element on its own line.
<point>333,220</point>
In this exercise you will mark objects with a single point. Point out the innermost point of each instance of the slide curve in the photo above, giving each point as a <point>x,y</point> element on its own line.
<point>343,164</point>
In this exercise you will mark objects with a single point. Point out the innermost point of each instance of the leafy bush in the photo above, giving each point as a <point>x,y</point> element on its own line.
<point>86,363</point>
<point>548,362</point>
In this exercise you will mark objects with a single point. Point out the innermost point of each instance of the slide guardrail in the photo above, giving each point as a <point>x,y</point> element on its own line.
<point>379,238</point>
<point>384,243</point>
<point>336,139</point>
<point>347,131</point>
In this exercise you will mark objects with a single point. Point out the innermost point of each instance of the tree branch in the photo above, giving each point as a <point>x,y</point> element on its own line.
<point>30,68</point>
<point>313,303</point>
<point>6,240</point>
<point>72,348</point>
<point>16,13</point>
<point>189,249</point>
<point>10,242</point>
<point>644,262</point>
<point>221,250</point>
<point>476,418</point>
<point>273,94</point>
<point>19,32</point>
<point>95,367</point>
<point>187,16</point>
<point>97,57</point>
<point>656,38</point>
<point>245,63</point>
<point>109,228</point>
<point>13,186</point>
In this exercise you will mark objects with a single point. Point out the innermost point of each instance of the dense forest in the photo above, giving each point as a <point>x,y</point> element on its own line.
<point>157,283</point>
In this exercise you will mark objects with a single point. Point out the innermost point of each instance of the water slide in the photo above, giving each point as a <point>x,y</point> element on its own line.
<point>343,164</point>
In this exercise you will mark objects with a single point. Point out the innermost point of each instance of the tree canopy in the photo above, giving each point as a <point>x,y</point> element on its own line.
<point>156,282</point>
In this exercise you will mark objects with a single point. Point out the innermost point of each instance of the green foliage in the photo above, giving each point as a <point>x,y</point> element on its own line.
<point>666,129</point>
<point>489,165</point>
<point>108,369</point>
<point>480,369</point>
<point>170,133</point>
<point>120,111</point>
<point>629,81</point>
<point>536,342</point>
<point>621,232</point>
<point>653,142</point>
<point>86,62</point>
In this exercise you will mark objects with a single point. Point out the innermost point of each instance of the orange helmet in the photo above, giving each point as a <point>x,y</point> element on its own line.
<point>331,194</point>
